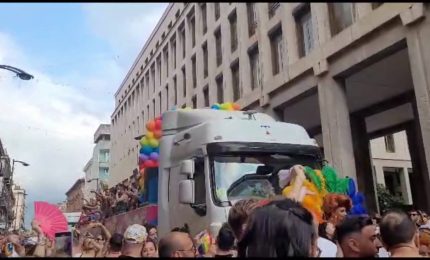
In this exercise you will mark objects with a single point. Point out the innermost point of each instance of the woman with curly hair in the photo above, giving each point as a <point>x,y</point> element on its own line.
<point>336,207</point>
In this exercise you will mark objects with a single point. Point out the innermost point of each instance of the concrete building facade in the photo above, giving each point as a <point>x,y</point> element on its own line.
<point>75,196</point>
<point>18,208</point>
<point>97,168</point>
<point>6,193</point>
<point>347,72</point>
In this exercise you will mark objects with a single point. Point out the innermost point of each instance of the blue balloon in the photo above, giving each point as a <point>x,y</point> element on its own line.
<point>147,150</point>
<point>216,107</point>
<point>156,150</point>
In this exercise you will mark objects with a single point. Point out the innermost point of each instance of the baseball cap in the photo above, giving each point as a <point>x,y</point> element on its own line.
<point>135,234</point>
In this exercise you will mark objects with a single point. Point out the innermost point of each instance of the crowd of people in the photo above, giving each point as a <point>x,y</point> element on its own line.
<point>110,202</point>
<point>288,225</point>
<point>280,227</point>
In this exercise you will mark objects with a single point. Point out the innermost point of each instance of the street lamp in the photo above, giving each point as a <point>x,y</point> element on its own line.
<point>20,73</point>
<point>18,161</point>
<point>95,179</point>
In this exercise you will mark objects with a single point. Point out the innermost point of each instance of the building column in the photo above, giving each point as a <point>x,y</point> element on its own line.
<point>418,34</point>
<point>363,162</point>
<point>406,186</point>
<point>336,128</point>
<point>419,178</point>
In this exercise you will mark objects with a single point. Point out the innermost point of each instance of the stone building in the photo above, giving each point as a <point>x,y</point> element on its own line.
<point>347,72</point>
<point>75,196</point>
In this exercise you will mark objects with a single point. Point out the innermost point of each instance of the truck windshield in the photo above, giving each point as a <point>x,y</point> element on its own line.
<point>243,176</point>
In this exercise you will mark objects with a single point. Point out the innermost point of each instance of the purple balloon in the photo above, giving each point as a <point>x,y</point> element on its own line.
<point>143,157</point>
<point>153,156</point>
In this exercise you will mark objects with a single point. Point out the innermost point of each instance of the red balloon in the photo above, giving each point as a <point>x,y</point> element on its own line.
<point>157,134</point>
<point>158,118</point>
<point>151,125</point>
<point>236,106</point>
<point>158,124</point>
<point>147,164</point>
<point>156,163</point>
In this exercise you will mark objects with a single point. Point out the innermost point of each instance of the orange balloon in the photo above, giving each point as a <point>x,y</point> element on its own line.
<point>236,106</point>
<point>150,125</point>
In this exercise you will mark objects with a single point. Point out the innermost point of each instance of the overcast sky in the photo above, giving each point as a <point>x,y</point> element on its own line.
<point>78,54</point>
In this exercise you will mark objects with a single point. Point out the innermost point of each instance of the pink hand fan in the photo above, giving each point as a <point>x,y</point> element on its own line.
<point>50,218</point>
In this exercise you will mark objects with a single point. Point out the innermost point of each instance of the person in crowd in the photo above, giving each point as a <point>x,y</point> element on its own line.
<point>415,217</point>
<point>398,234</point>
<point>238,215</point>
<point>94,240</point>
<point>326,240</point>
<point>183,229</point>
<point>134,239</point>
<point>115,245</point>
<point>282,228</point>
<point>177,244</point>
<point>356,236</point>
<point>122,200</point>
<point>336,207</point>
<point>327,230</point>
<point>104,201</point>
<point>150,248</point>
<point>133,194</point>
<point>225,242</point>
<point>152,232</point>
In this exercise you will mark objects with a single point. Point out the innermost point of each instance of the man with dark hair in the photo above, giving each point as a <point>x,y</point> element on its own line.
<point>115,245</point>
<point>398,233</point>
<point>225,241</point>
<point>357,237</point>
<point>177,244</point>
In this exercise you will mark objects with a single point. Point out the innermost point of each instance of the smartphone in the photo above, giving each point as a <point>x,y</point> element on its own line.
<point>9,249</point>
<point>63,244</point>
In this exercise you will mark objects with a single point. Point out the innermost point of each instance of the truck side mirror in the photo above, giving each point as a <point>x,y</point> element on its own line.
<point>187,168</point>
<point>186,192</point>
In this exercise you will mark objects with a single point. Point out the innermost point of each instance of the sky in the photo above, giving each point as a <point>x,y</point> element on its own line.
<point>78,54</point>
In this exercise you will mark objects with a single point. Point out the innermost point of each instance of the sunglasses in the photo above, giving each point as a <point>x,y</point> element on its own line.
<point>413,214</point>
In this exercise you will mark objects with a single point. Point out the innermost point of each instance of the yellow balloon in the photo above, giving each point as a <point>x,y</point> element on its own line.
<point>154,143</point>
<point>150,135</point>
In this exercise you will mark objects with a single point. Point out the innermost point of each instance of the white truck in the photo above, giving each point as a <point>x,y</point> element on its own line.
<point>209,159</point>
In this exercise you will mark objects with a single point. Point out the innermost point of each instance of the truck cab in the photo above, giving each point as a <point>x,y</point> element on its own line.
<point>209,159</point>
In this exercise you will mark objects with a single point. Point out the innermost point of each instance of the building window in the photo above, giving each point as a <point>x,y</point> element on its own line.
<point>193,71</point>
<point>305,37</point>
<point>153,77</point>
<point>175,91</point>
<point>160,102</point>
<point>153,108</point>
<point>167,97</point>
<point>389,144</point>
<point>205,60</point>
<point>194,100</point>
<point>104,156</point>
<point>233,31</point>
<point>206,95</point>
<point>184,81</point>
<point>252,18</point>
<point>103,173</point>
<point>273,6</point>
<point>204,18</point>
<point>277,50</point>
<point>173,48</point>
<point>220,89</point>
<point>216,11</point>
<point>166,60</point>
<point>192,28</point>
<point>159,69</point>
<point>254,61</point>
<point>235,81</point>
<point>218,47</point>
<point>147,85</point>
<point>182,34</point>
<point>341,15</point>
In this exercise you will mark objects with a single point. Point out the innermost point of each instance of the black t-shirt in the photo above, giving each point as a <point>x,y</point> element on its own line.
<point>125,256</point>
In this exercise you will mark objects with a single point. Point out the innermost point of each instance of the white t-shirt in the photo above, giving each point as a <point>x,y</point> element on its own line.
<point>328,248</point>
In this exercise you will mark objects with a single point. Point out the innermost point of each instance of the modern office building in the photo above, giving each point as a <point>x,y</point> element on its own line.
<point>97,168</point>
<point>347,72</point>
